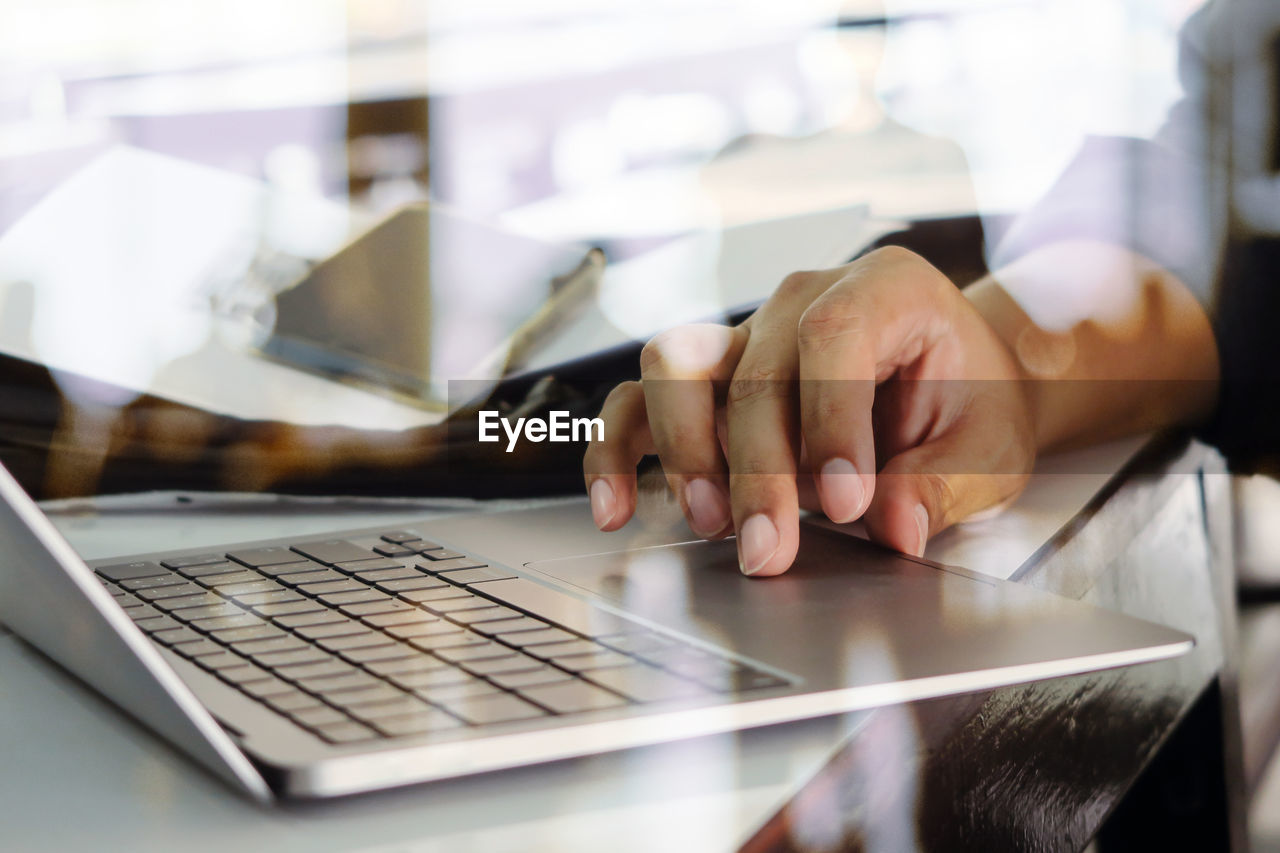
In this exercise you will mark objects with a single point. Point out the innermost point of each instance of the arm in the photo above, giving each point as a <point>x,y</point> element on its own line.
<point>1121,347</point>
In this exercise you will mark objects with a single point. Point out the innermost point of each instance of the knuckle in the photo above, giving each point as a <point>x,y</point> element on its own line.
<point>652,355</point>
<point>828,320</point>
<point>755,384</point>
<point>893,255</point>
<point>796,284</point>
<point>752,468</point>
<point>621,393</point>
<point>939,493</point>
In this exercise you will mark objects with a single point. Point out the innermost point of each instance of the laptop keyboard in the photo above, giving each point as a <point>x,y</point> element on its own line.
<point>404,638</point>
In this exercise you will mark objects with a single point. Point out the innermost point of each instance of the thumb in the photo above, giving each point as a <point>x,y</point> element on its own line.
<point>928,488</point>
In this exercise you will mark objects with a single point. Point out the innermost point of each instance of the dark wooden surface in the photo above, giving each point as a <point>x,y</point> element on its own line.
<point>1140,758</point>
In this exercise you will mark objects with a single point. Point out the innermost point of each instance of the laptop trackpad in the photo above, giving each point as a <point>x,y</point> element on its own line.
<point>841,590</point>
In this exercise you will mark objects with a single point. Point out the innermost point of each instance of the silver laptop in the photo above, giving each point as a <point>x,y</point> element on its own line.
<point>376,658</point>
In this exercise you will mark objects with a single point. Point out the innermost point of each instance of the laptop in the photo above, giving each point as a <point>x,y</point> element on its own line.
<point>369,659</point>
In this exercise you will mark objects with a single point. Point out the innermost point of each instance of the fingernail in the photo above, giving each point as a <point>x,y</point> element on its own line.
<point>922,525</point>
<point>604,506</point>
<point>708,507</point>
<point>757,542</point>
<point>841,490</point>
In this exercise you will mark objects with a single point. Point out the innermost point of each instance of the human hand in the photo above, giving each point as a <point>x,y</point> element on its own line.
<point>876,385</point>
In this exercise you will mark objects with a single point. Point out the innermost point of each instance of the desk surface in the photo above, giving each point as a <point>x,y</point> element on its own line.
<point>69,753</point>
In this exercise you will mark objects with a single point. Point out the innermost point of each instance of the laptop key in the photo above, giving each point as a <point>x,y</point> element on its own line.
<point>223,568</point>
<point>345,732</point>
<point>448,676</point>
<point>237,635</point>
<point>156,623</point>
<point>215,581</point>
<point>572,697</point>
<point>199,649</point>
<point>530,639</point>
<point>176,636</point>
<point>487,710</point>
<point>455,640</point>
<point>570,647</point>
<point>316,669</point>
<point>284,570</point>
<point>140,612</point>
<point>201,599</point>
<point>442,566</point>
<point>386,605</point>
<point>405,615</point>
<point>340,682</point>
<point>378,653</point>
<point>129,571</point>
<point>472,688</point>
<point>361,567</point>
<point>197,560</point>
<point>593,660</point>
<point>457,654</point>
<point>266,687</point>
<point>332,551</point>
<point>257,557</point>
<point>424,629</point>
<point>527,677</point>
<point>353,597</point>
<point>236,590</point>
<point>418,724</point>
<point>301,656</point>
<point>439,554</point>
<point>213,611</point>
<point>354,641</point>
<point>468,577</point>
<point>222,660</point>
<point>243,674</point>
<point>390,550</point>
<point>363,696</point>
<point>510,626</point>
<point>239,620</point>
<point>421,582</point>
<point>417,663</point>
<point>342,584</point>
<point>493,666</point>
<point>177,590</point>
<point>398,573</point>
<point>275,596</point>
<point>253,648</point>
<point>289,608</point>
<point>319,574</point>
<point>395,708</point>
<point>317,716</point>
<point>292,700</point>
<point>448,605</point>
<point>439,591</point>
<point>167,579</point>
<point>315,617</point>
<point>331,629</point>
<point>482,614</point>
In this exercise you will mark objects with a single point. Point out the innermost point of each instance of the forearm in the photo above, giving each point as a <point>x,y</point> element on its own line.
<point>1110,344</point>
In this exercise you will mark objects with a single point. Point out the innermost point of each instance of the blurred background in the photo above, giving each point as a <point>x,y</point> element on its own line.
<point>167,168</point>
<point>586,119</point>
